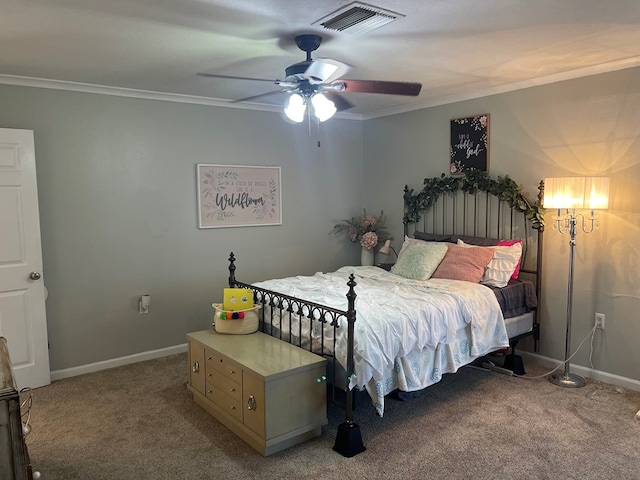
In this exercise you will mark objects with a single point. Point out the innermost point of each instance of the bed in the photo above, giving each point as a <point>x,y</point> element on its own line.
<point>400,330</point>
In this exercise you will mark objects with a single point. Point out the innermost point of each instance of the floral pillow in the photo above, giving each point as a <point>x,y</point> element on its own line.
<point>410,241</point>
<point>503,264</point>
<point>464,263</point>
<point>419,260</point>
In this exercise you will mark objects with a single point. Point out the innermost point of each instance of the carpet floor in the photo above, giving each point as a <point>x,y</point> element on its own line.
<point>139,421</point>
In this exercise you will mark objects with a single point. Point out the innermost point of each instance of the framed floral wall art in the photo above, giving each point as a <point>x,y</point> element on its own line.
<point>469,148</point>
<point>238,196</point>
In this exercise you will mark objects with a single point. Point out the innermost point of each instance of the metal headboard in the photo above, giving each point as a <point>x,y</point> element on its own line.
<point>478,206</point>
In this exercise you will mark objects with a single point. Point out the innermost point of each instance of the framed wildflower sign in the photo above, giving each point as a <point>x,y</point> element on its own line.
<point>469,144</point>
<point>233,196</point>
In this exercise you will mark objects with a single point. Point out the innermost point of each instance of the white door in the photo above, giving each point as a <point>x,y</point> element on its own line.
<point>22,314</point>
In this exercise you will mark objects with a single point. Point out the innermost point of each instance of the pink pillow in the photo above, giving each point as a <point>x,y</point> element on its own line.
<point>508,243</point>
<point>464,263</point>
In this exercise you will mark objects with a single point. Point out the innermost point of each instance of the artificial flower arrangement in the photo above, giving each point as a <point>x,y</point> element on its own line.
<point>367,229</point>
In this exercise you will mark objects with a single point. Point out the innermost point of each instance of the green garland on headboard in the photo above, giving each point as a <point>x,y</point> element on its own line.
<point>472,181</point>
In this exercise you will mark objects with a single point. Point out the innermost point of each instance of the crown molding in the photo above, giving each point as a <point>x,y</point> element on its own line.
<point>142,94</point>
<point>216,102</point>
<point>510,87</point>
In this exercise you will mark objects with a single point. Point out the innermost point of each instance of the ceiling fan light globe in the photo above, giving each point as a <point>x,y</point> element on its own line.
<point>323,108</point>
<point>295,108</point>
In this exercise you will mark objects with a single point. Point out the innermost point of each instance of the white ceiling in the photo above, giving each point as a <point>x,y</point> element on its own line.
<point>457,49</point>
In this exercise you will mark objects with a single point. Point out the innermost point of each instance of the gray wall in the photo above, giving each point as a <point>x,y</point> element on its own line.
<point>117,183</point>
<point>117,180</point>
<point>589,126</point>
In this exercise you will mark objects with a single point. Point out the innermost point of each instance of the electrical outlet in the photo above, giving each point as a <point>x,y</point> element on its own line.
<point>599,319</point>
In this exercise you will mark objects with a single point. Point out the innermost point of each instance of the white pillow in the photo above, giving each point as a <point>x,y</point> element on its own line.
<point>501,267</point>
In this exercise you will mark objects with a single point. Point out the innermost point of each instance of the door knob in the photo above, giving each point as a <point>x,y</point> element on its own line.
<point>35,275</point>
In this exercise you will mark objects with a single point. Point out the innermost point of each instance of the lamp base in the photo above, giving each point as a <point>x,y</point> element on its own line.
<point>569,380</point>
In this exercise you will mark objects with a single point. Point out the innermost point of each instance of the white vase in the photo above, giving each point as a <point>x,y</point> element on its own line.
<point>366,256</point>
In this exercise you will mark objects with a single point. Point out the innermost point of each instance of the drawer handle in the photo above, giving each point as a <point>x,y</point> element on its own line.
<point>233,408</point>
<point>321,379</point>
<point>251,403</point>
<point>232,372</point>
<point>196,367</point>
<point>232,389</point>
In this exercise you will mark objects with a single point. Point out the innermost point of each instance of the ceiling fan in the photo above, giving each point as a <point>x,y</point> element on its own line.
<point>318,82</point>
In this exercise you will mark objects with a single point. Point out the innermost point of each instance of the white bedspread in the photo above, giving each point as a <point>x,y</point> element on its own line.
<point>407,332</point>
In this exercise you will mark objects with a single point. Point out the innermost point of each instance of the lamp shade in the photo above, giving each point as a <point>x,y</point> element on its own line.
<point>589,193</point>
<point>386,248</point>
<point>323,108</point>
<point>295,108</point>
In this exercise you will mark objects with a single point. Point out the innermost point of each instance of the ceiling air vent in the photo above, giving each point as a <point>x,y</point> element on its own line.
<point>357,18</point>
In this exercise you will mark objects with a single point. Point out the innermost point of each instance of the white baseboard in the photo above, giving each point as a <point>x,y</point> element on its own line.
<point>117,362</point>
<point>605,377</point>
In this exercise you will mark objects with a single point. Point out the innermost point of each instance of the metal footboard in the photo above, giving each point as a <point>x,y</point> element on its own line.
<point>294,310</point>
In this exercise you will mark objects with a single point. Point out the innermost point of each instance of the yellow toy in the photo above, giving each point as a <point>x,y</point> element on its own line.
<point>236,299</point>
<point>238,307</point>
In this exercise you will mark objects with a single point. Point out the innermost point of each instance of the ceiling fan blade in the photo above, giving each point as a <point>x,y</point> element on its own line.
<point>325,70</point>
<point>260,95</point>
<point>379,86</point>
<point>232,77</point>
<point>338,100</point>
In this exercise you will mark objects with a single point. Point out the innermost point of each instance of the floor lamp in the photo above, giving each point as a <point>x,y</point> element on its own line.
<point>570,195</point>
